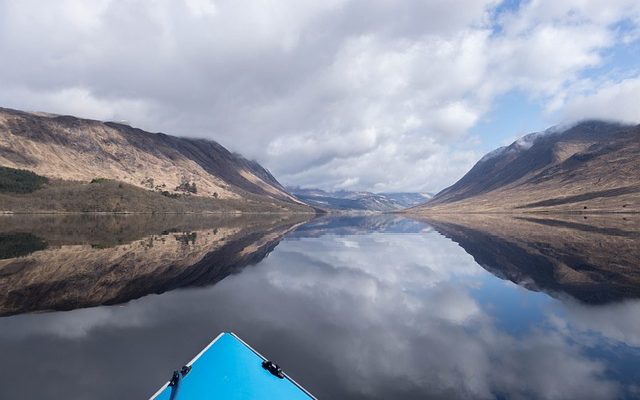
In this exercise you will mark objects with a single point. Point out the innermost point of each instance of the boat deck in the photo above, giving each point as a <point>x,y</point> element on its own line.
<point>228,368</point>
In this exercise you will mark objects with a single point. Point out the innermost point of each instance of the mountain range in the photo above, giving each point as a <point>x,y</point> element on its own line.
<point>153,171</point>
<point>66,164</point>
<point>345,200</point>
<point>592,166</point>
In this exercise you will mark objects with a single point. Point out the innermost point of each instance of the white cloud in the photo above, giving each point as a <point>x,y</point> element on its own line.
<point>363,94</point>
<point>202,7</point>
<point>79,101</point>
<point>619,322</point>
<point>610,100</point>
<point>545,58</point>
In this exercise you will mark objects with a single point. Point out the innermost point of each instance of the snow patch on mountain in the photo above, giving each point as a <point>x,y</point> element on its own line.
<point>525,142</point>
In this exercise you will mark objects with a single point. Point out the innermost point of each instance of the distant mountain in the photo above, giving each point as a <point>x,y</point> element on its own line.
<point>344,200</point>
<point>591,166</point>
<point>407,199</point>
<point>81,150</point>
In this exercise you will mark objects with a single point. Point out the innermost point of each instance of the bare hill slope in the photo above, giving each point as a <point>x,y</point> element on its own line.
<point>73,149</point>
<point>593,166</point>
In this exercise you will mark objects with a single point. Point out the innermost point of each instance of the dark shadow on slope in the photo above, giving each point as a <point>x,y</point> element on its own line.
<point>582,197</point>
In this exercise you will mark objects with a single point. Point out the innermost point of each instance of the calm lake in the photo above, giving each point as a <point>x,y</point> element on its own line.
<point>383,307</point>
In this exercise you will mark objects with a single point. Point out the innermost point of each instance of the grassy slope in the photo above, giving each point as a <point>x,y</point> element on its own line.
<point>114,196</point>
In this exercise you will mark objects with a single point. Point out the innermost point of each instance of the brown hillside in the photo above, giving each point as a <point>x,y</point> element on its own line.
<point>593,166</point>
<point>73,149</point>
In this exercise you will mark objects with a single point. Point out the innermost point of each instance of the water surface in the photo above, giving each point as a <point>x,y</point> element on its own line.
<point>352,307</point>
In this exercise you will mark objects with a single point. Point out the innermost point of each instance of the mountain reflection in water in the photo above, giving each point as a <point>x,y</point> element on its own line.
<point>352,307</point>
<point>94,260</point>
<point>595,259</point>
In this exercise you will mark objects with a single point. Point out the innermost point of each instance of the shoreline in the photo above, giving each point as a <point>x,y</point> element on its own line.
<point>423,213</point>
<point>153,213</point>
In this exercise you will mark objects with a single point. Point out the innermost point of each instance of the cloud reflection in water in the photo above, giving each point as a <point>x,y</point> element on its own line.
<point>369,315</point>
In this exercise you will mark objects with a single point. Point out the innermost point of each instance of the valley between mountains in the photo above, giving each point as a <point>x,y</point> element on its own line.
<point>55,163</point>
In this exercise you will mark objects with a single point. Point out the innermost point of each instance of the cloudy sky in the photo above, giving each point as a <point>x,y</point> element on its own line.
<point>354,94</point>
